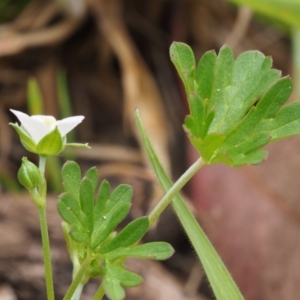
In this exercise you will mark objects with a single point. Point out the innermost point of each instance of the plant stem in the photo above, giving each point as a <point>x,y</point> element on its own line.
<point>219,278</point>
<point>173,191</point>
<point>100,293</point>
<point>78,291</point>
<point>44,231</point>
<point>42,164</point>
<point>78,278</point>
<point>296,59</point>
<point>46,250</point>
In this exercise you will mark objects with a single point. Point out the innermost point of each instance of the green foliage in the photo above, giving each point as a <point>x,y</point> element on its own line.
<point>219,278</point>
<point>235,105</point>
<point>115,277</point>
<point>282,10</point>
<point>90,220</point>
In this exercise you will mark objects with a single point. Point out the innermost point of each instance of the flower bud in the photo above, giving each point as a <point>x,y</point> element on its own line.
<point>29,174</point>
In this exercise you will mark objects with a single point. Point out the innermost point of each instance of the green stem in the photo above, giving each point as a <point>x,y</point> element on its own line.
<point>219,278</point>
<point>42,164</point>
<point>174,190</point>
<point>296,60</point>
<point>46,250</point>
<point>100,293</point>
<point>44,230</point>
<point>78,278</point>
<point>78,291</point>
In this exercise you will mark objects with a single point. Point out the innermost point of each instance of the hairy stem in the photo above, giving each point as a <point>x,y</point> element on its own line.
<point>173,191</point>
<point>44,230</point>
<point>46,251</point>
<point>99,293</point>
<point>78,278</point>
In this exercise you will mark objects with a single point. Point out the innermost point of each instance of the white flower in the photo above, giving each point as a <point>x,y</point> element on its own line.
<point>45,135</point>
<point>38,126</point>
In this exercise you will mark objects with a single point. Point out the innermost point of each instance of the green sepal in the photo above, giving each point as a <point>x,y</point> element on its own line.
<point>50,144</point>
<point>26,140</point>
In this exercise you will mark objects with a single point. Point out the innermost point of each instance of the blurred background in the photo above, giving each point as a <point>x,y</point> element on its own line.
<point>104,58</point>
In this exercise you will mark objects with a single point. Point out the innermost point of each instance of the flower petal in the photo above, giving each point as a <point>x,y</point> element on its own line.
<point>48,124</point>
<point>35,128</point>
<point>66,125</point>
<point>35,125</point>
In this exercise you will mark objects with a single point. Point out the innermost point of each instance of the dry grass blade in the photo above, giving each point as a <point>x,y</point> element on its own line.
<point>13,39</point>
<point>140,89</point>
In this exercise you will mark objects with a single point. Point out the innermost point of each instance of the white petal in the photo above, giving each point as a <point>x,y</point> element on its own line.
<point>66,125</point>
<point>46,124</point>
<point>35,127</point>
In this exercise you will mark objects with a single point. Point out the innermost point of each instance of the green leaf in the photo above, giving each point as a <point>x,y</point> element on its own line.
<point>235,105</point>
<point>71,175</point>
<point>220,280</point>
<point>154,250</point>
<point>129,235</point>
<point>102,228</point>
<point>114,277</point>
<point>259,126</point>
<point>205,74</point>
<point>69,209</point>
<point>76,206</point>
<point>92,175</point>
<point>115,210</point>
<point>286,122</point>
<point>113,288</point>
<point>94,223</point>
<point>184,61</point>
<point>122,193</point>
<point>103,196</point>
<point>87,203</point>
<point>237,86</point>
<point>50,144</point>
<point>124,276</point>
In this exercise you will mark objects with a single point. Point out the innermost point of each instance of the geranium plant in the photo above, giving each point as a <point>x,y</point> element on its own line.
<point>235,110</point>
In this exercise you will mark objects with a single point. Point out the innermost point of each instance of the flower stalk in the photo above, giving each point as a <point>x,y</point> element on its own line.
<point>174,190</point>
<point>46,252</point>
